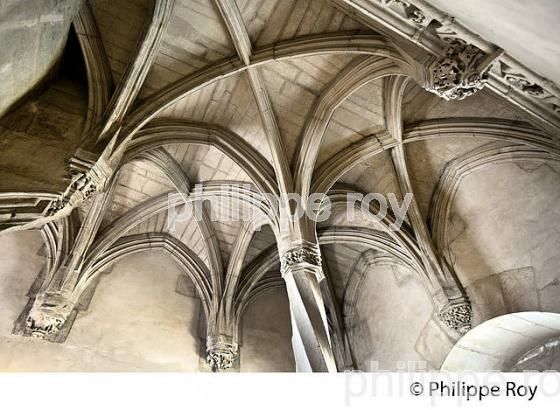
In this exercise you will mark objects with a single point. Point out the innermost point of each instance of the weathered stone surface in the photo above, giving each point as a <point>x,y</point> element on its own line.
<point>33,34</point>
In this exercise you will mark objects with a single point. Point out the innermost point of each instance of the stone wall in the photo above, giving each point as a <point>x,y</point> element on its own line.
<point>136,320</point>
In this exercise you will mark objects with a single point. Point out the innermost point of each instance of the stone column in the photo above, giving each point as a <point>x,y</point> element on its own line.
<point>301,270</point>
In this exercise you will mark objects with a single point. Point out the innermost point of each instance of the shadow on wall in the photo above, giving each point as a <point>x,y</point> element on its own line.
<point>46,123</point>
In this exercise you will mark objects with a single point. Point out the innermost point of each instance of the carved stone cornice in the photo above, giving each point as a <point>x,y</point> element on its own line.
<point>433,36</point>
<point>48,314</point>
<point>461,71</point>
<point>305,253</point>
<point>457,316</point>
<point>406,10</point>
<point>221,355</point>
<point>527,87</point>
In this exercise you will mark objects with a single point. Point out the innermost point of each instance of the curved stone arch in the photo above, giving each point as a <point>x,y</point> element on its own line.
<point>448,185</point>
<point>338,43</point>
<point>500,343</point>
<point>351,79</point>
<point>132,79</point>
<point>160,158</point>
<point>265,283</point>
<point>51,234</point>
<point>128,245</point>
<point>489,128</point>
<point>269,259</point>
<point>266,261</point>
<point>37,203</point>
<point>162,132</point>
<point>370,238</point>
<point>136,71</point>
<point>160,203</point>
<point>234,269</point>
<point>58,238</point>
<point>403,238</point>
<point>354,286</point>
<point>493,129</point>
<point>100,78</point>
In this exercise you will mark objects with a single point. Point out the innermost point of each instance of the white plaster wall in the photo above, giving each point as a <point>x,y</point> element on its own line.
<point>528,30</point>
<point>136,321</point>
<point>505,237</point>
<point>267,334</point>
<point>392,310</point>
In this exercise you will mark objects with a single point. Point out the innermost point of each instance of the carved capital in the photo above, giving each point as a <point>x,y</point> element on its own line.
<point>459,73</point>
<point>304,253</point>
<point>221,355</point>
<point>48,314</point>
<point>457,316</point>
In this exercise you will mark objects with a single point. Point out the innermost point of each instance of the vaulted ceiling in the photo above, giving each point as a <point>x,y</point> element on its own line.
<point>257,96</point>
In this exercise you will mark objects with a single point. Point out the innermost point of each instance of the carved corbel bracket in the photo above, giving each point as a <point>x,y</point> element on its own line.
<point>457,316</point>
<point>48,315</point>
<point>461,71</point>
<point>83,186</point>
<point>221,353</point>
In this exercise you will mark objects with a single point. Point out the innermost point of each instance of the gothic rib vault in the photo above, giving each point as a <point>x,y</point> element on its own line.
<point>247,99</point>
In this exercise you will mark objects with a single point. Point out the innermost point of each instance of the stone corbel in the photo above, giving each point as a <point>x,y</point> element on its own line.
<point>84,185</point>
<point>461,71</point>
<point>221,352</point>
<point>457,316</point>
<point>50,314</point>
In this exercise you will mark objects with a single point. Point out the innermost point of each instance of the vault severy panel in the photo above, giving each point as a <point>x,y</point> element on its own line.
<point>185,230</point>
<point>419,105</point>
<point>293,87</point>
<point>426,161</point>
<point>225,215</point>
<point>228,103</point>
<point>339,217</point>
<point>202,163</point>
<point>138,182</point>
<point>277,20</point>
<point>111,17</point>
<point>195,38</point>
<point>340,259</point>
<point>359,116</point>
<point>262,240</point>
<point>375,174</point>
